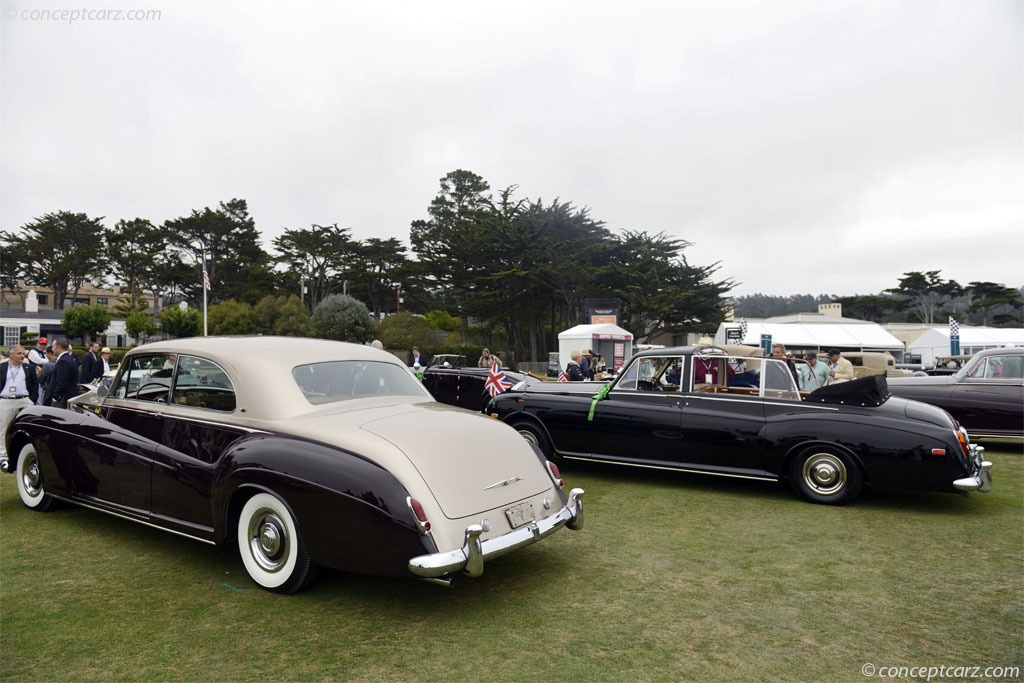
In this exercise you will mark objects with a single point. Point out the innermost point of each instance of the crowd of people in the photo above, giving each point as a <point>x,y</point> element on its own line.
<point>47,375</point>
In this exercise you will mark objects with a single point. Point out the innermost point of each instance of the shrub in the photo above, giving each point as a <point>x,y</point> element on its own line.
<point>139,325</point>
<point>86,321</point>
<point>232,317</point>
<point>442,320</point>
<point>284,316</point>
<point>178,323</point>
<point>343,318</point>
<point>405,330</point>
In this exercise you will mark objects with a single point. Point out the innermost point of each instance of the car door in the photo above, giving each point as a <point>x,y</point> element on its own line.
<point>639,422</point>
<point>989,398</point>
<point>114,461</point>
<point>723,422</point>
<point>196,431</point>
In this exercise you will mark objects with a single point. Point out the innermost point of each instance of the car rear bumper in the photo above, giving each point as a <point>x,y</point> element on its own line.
<point>981,479</point>
<point>471,556</point>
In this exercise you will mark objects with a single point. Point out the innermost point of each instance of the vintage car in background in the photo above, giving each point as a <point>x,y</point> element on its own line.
<point>451,381</point>
<point>947,365</point>
<point>699,409</point>
<point>867,363</point>
<point>986,395</point>
<point>305,452</point>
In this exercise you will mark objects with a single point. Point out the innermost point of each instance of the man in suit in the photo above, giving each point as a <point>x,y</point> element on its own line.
<point>19,389</point>
<point>64,381</point>
<point>92,366</point>
<point>417,359</point>
<point>839,369</point>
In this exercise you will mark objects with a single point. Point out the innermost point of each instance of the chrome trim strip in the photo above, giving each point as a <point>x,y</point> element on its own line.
<point>503,482</point>
<point>794,404</point>
<point>132,519</point>
<point>670,469</point>
<point>471,556</point>
<point>186,418</point>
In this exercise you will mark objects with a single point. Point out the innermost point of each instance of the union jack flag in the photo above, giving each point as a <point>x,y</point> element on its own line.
<point>496,381</point>
<point>562,377</point>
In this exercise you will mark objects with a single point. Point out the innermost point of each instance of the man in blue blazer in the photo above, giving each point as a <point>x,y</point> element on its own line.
<point>64,380</point>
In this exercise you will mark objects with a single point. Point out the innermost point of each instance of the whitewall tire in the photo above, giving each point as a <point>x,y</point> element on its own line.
<point>30,480</point>
<point>271,548</point>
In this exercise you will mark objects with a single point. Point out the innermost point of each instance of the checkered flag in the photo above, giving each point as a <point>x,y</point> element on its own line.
<point>743,329</point>
<point>954,326</point>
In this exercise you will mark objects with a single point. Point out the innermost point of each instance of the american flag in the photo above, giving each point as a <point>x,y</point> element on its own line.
<point>743,329</point>
<point>562,377</point>
<point>496,381</point>
<point>206,278</point>
<point>954,326</point>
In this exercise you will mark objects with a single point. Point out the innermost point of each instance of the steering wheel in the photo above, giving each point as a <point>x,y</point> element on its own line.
<point>158,399</point>
<point>644,385</point>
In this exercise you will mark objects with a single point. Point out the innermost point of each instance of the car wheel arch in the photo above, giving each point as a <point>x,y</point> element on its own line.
<point>18,442</point>
<point>237,500</point>
<point>526,418</point>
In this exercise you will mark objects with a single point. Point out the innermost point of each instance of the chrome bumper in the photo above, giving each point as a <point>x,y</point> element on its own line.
<point>981,480</point>
<point>471,556</point>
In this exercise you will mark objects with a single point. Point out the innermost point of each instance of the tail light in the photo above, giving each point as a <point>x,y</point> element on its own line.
<point>962,438</point>
<point>421,516</point>
<point>555,474</point>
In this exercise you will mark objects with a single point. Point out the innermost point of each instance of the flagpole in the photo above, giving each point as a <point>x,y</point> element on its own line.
<point>205,334</point>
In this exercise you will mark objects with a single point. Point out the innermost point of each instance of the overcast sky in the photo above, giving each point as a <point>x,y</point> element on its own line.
<point>810,147</point>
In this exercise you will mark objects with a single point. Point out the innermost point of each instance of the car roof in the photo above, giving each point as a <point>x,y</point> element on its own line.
<point>256,353</point>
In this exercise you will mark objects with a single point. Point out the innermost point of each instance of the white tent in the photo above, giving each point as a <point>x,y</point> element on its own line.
<point>604,339</point>
<point>935,342</point>
<point>822,336</point>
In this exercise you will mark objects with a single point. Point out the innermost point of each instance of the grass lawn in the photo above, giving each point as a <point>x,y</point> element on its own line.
<point>675,577</point>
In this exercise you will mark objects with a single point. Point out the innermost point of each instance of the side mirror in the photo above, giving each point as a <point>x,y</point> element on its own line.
<point>102,391</point>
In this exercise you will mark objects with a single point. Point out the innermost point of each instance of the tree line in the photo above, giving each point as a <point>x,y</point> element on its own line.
<point>518,269</point>
<point>924,297</point>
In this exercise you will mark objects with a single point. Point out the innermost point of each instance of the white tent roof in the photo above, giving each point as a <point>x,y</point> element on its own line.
<point>971,336</point>
<point>820,335</point>
<point>590,331</point>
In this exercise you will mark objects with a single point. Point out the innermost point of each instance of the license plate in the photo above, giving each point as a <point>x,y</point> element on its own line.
<point>519,515</point>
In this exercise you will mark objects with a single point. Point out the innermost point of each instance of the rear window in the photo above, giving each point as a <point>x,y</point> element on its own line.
<point>349,379</point>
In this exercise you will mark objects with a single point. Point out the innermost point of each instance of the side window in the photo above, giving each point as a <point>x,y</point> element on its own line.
<point>979,369</point>
<point>145,378</point>
<point>652,373</point>
<point>203,384</point>
<point>628,380</point>
<point>1005,367</point>
<point>778,381</point>
<point>707,373</point>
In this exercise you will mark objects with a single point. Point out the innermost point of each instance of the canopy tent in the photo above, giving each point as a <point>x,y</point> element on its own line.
<point>819,336</point>
<point>604,339</point>
<point>935,342</point>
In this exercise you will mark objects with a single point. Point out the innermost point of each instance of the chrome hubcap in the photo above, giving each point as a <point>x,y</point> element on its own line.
<point>825,474</point>
<point>268,540</point>
<point>529,436</point>
<point>30,477</point>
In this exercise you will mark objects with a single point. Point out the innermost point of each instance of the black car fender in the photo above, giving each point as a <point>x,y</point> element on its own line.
<point>352,513</point>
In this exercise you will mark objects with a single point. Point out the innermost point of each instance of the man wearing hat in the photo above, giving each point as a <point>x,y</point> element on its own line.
<point>813,375</point>
<point>37,359</point>
<point>487,359</point>
<point>839,369</point>
<point>105,360</point>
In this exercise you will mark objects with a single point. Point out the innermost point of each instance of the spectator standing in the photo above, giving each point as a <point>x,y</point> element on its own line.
<point>417,359</point>
<point>64,381</point>
<point>779,352</point>
<point>573,370</point>
<point>45,373</point>
<point>839,369</point>
<point>39,359</point>
<point>91,365</point>
<point>105,360</point>
<point>377,344</point>
<point>585,364</point>
<point>487,359</point>
<point>813,375</point>
<point>19,389</point>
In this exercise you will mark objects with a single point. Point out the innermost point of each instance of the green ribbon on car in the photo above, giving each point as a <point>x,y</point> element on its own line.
<point>600,395</point>
<point>419,376</point>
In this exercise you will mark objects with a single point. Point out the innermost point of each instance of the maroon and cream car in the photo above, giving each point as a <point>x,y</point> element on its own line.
<point>305,452</point>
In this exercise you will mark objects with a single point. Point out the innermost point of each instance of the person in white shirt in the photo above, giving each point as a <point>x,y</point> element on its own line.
<point>18,390</point>
<point>105,359</point>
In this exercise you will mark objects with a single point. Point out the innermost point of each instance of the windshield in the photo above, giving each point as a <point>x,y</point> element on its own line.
<point>349,379</point>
